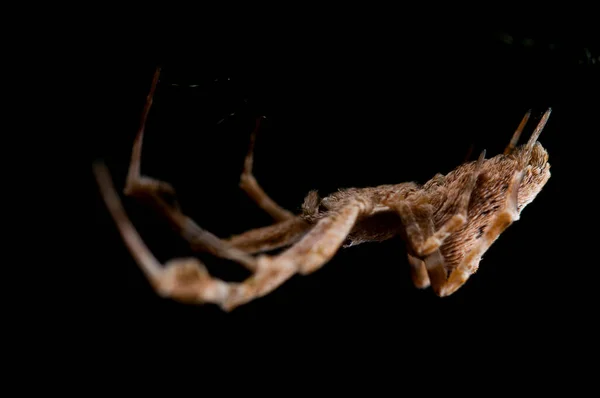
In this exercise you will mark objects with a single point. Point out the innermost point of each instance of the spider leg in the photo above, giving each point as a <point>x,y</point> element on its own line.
<point>187,280</point>
<point>418,272</point>
<point>153,191</point>
<point>431,268</point>
<point>183,279</point>
<point>253,241</point>
<point>271,237</point>
<point>199,238</point>
<point>315,248</point>
<point>249,184</point>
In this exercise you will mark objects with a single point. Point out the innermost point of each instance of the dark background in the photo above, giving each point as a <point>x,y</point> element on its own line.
<point>360,106</point>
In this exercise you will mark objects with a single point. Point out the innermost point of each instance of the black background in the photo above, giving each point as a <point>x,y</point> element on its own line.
<point>359,105</point>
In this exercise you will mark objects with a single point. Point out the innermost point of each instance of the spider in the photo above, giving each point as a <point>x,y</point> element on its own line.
<point>447,223</point>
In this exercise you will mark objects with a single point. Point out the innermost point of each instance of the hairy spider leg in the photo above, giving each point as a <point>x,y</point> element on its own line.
<point>235,248</point>
<point>187,280</point>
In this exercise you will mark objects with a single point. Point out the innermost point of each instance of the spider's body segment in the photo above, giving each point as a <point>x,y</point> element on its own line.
<point>447,223</point>
<point>382,222</point>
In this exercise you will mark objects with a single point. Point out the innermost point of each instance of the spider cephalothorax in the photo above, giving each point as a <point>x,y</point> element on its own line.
<point>489,196</point>
<point>447,223</point>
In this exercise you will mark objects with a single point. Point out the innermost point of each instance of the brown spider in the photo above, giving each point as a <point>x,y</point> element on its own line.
<point>448,223</point>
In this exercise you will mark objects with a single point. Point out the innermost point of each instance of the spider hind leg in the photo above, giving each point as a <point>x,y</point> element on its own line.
<point>187,280</point>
